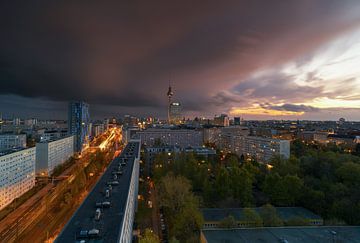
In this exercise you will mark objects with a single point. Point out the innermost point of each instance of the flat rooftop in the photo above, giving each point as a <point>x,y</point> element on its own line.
<point>111,218</point>
<point>285,213</point>
<point>318,234</point>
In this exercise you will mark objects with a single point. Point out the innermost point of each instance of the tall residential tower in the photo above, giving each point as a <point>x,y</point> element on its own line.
<point>78,123</point>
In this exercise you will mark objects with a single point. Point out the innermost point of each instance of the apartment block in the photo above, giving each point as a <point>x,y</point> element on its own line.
<point>17,174</point>
<point>53,153</point>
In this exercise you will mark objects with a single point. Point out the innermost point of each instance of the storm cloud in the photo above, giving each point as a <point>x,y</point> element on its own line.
<point>123,53</point>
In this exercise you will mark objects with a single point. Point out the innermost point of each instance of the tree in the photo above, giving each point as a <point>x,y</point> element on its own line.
<point>174,193</point>
<point>241,185</point>
<point>181,207</point>
<point>298,148</point>
<point>313,199</point>
<point>349,173</point>
<point>285,167</point>
<point>297,221</point>
<point>187,223</point>
<point>269,216</point>
<point>252,217</point>
<point>149,237</point>
<point>174,240</point>
<point>357,150</point>
<point>223,183</point>
<point>228,222</point>
<point>158,142</point>
<point>283,191</point>
<point>231,160</point>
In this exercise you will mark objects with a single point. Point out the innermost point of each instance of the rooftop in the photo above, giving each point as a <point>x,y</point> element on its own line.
<point>111,219</point>
<point>285,213</point>
<point>319,234</point>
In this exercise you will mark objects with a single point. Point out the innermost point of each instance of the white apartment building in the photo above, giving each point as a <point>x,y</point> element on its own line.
<point>12,141</point>
<point>52,153</point>
<point>173,137</point>
<point>17,174</point>
<point>263,149</point>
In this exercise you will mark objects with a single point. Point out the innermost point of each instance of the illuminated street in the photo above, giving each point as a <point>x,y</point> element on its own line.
<point>32,216</point>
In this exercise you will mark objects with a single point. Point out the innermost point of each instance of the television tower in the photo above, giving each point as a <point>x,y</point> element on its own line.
<point>170,94</point>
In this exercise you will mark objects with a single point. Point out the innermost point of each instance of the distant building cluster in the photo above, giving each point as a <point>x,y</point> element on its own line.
<point>12,141</point>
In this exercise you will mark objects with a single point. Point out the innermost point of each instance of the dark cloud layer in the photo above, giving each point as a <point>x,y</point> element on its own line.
<point>290,107</point>
<point>122,53</point>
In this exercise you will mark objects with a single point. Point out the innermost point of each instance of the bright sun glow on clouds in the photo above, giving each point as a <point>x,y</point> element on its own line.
<point>336,68</point>
<point>331,77</point>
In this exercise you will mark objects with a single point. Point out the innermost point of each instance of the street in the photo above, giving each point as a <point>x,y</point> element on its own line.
<point>33,213</point>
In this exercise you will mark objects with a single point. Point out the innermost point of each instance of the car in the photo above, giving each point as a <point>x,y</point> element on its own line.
<point>114,183</point>
<point>82,234</point>
<point>106,204</point>
<point>97,214</point>
<point>117,172</point>
<point>93,233</point>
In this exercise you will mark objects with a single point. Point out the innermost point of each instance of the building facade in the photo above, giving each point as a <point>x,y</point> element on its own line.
<point>175,113</point>
<point>78,123</point>
<point>97,129</point>
<point>222,120</point>
<point>262,149</point>
<point>12,141</point>
<point>172,137</point>
<point>53,153</point>
<point>17,174</point>
<point>51,135</point>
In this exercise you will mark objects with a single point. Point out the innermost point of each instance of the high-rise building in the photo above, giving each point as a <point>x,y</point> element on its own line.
<point>237,121</point>
<point>222,120</point>
<point>174,109</point>
<point>78,123</point>
<point>175,113</point>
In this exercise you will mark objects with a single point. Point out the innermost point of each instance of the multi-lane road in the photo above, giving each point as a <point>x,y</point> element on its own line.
<point>18,221</point>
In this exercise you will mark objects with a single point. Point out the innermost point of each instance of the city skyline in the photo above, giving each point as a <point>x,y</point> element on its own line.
<point>259,61</point>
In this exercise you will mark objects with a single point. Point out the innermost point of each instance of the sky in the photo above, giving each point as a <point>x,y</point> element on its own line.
<point>255,59</point>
